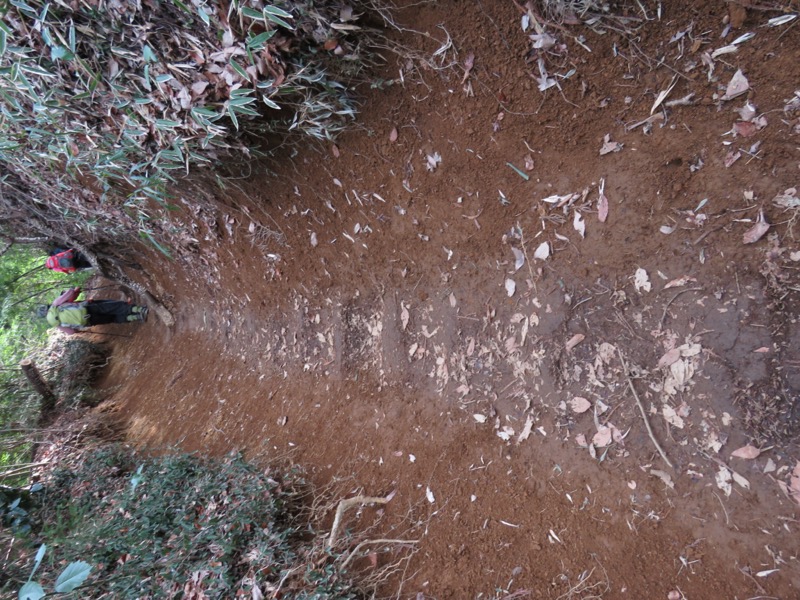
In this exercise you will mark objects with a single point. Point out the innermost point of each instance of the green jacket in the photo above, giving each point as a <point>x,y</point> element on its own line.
<point>72,315</point>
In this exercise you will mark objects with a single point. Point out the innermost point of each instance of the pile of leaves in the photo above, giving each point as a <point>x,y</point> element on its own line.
<point>106,102</point>
<point>177,526</point>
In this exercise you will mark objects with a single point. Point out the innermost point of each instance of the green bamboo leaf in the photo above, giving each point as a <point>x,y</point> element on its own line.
<point>232,115</point>
<point>72,577</point>
<point>59,53</point>
<point>182,6</point>
<point>238,68</point>
<point>3,42</point>
<point>257,42</point>
<point>149,54</point>
<point>246,110</point>
<point>241,101</point>
<point>203,15</point>
<point>146,235</point>
<point>72,38</point>
<point>270,103</point>
<point>278,12</point>
<point>252,13</point>
<point>167,124</point>
<point>277,20</point>
<point>38,559</point>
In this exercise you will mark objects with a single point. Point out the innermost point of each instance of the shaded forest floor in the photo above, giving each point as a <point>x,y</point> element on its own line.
<point>376,312</point>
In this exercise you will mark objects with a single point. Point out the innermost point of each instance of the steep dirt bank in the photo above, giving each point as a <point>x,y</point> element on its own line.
<point>362,310</point>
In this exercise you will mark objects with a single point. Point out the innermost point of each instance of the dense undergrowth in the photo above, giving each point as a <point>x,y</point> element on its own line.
<point>104,105</point>
<point>177,526</point>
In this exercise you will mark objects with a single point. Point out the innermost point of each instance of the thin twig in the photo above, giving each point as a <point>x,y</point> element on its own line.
<point>349,502</point>
<point>641,409</point>
<point>671,300</point>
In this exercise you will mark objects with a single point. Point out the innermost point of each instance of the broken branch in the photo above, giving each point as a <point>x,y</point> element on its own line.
<point>641,409</point>
<point>348,503</point>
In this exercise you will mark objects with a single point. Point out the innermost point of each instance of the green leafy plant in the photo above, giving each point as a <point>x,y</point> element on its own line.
<point>174,525</point>
<point>100,110</point>
<point>70,578</point>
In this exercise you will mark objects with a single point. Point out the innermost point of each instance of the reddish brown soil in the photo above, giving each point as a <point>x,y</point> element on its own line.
<point>284,349</point>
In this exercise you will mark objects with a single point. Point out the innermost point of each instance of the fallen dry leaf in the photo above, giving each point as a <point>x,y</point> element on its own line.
<point>741,481</point>
<point>602,208</point>
<point>680,281</point>
<point>526,430</point>
<point>580,439</point>
<point>794,483</point>
<point>663,476</point>
<point>737,86</point>
<point>723,479</point>
<point>580,405</point>
<point>671,416</point>
<point>469,62</point>
<point>609,146</point>
<point>511,287</point>
<point>579,224</point>
<point>519,258</point>
<point>744,128</point>
<point>787,199</point>
<point>543,251</point>
<point>603,437</point>
<point>731,157</point>
<point>528,163</point>
<point>757,231</point>
<point>641,281</point>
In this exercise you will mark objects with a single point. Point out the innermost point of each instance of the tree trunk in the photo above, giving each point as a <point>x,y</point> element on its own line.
<point>39,384</point>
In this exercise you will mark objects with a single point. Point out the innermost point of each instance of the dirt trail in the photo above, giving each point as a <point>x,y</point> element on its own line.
<point>350,308</point>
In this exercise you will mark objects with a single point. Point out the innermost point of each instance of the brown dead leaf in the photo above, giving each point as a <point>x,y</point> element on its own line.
<point>528,163</point>
<point>757,231</point>
<point>680,281</point>
<point>744,128</point>
<point>602,203</point>
<point>663,476</point>
<point>747,452</point>
<point>469,62</point>
<point>737,86</point>
<point>731,157</point>
<point>580,405</point>
<point>609,146</point>
<point>794,483</point>
<point>602,438</point>
<point>335,150</point>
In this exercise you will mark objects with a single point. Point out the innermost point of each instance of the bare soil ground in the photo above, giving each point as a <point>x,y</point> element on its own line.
<point>380,317</point>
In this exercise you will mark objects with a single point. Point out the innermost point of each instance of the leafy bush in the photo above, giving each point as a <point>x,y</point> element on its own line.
<point>110,100</point>
<point>178,526</point>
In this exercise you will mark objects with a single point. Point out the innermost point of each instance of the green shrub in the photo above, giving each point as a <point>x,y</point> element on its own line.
<point>175,525</point>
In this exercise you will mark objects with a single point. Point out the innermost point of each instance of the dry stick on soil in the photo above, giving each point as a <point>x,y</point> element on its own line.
<point>378,541</point>
<point>641,409</point>
<point>349,502</point>
<point>671,300</point>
